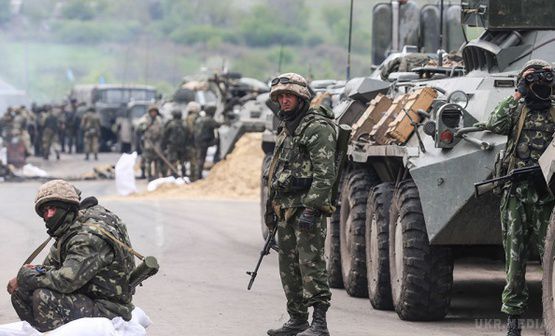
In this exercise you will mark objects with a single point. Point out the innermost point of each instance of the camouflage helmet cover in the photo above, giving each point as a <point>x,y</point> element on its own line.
<point>153,108</point>
<point>297,86</point>
<point>193,106</point>
<point>56,190</point>
<point>537,64</point>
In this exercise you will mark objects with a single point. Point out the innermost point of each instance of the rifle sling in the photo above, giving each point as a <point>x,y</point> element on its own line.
<point>117,241</point>
<point>37,251</point>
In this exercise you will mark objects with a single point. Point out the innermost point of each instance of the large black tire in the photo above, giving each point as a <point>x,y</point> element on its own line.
<point>421,274</point>
<point>352,229</point>
<point>264,195</point>
<point>377,246</point>
<point>548,279</point>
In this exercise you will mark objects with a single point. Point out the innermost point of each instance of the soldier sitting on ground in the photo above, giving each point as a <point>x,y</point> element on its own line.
<point>86,272</point>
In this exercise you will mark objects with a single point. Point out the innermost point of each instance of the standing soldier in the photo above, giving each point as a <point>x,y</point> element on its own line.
<point>300,180</point>
<point>205,136</point>
<point>193,110</point>
<point>152,136</point>
<point>72,125</point>
<point>90,124</point>
<point>528,119</point>
<point>174,141</point>
<point>49,133</point>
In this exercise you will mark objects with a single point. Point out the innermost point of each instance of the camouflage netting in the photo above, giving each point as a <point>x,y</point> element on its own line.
<point>238,176</point>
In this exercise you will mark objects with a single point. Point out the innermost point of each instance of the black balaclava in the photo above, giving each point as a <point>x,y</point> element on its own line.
<point>539,96</point>
<point>292,119</point>
<point>62,219</point>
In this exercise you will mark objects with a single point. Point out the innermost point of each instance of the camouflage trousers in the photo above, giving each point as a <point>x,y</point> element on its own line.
<point>91,144</point>
<point>45,309</point>
<point>302,266</point>
<point>194,173</point>
<point>524,226</point>
<point>48,140</point>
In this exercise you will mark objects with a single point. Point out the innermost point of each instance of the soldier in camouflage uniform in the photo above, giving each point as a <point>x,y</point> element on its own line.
<point>50,127</point>
<point>191,153</point>
<point>152,138</point>
<point>205,136</point>
<point>300,179</point>
<point>85,274</point>
<point>174,141</point>
<point>90,124</point>
<point>528,119</point>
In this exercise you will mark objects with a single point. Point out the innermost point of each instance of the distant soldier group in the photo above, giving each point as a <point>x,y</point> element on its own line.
<point>170,147</point>
<point>43,130</point>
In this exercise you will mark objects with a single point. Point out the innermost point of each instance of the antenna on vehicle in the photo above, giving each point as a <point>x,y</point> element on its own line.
<point>349,45</point>
<point>440,51</point>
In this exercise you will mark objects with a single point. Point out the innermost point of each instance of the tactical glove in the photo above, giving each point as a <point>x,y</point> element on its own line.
<point>270,217</point>
<point>308,219</point>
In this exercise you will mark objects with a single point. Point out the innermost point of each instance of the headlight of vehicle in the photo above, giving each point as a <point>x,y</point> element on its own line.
<point>458,97</point>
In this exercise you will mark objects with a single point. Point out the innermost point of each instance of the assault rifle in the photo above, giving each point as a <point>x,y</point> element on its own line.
<point>517,174</point>
<point>269,244</point>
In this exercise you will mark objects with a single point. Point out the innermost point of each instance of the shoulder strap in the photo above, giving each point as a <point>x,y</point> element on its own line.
<point>552,112</point>
<point>117,241</point>
<point>37,251</point>
<point>521,120</point>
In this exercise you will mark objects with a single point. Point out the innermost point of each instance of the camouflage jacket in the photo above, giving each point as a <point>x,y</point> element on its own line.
<point>175,135</point>
<point>204,130</point>
<point>84,261</point>
<point>153,133</point>
<point>302,170</point>
<point>90,124</point>
<point>526,149</point>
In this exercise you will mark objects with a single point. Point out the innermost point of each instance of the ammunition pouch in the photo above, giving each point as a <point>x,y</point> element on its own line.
<point>287,183</point>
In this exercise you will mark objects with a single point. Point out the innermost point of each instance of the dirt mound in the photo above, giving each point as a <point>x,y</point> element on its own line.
<point>238,176</point>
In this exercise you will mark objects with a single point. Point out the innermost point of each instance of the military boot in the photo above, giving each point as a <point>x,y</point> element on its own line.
<point>291,328</point>
<point>513,326</point>
<point>319,326</point>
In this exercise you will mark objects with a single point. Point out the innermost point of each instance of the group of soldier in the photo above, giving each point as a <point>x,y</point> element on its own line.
<point>177,146</point>
<point>170,147</point>
<point>41,130</point>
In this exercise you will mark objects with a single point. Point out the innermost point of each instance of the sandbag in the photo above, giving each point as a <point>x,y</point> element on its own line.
<point>89,326</point>
<point>125,174</point>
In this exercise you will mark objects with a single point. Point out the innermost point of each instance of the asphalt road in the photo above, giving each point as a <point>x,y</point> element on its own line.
<point>204,248</point>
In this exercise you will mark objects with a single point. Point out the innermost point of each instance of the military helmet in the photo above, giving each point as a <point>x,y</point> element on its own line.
<point>153,108</point>
<point>56,190</point>
<point>177,114</point>
<point>193,106</point>
<point>536,64</point>
<point>290,83</point>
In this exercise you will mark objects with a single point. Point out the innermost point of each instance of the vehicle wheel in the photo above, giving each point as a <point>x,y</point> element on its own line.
<point>352,220</point>
<point>264,195</point>
<point>377,246</point>
<point>421,274</point>
<point>333,253</point>
<point>548,279</point>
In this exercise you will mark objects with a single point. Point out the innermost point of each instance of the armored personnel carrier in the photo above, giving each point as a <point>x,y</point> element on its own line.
<point>407,206</point>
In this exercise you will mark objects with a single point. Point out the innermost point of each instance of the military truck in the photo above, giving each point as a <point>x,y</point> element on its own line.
<point>109,100</point>
<point>407,207</point>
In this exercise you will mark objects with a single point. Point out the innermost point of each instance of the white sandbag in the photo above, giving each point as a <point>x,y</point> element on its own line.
<point>155,184</point>
<point>89,326</point>
<point>125,174</point>
<point>32,171</point>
